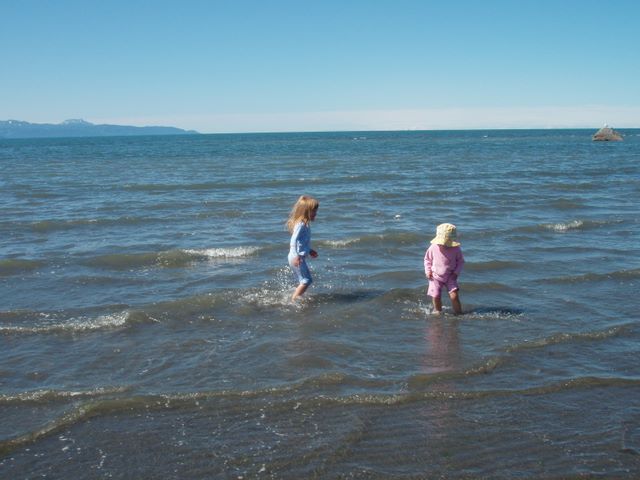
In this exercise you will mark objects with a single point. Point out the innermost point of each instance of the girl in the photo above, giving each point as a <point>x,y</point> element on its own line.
<point>442,264</point>
<point>303,212</point>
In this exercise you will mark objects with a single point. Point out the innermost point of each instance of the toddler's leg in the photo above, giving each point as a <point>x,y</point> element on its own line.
<point>437,305</point>
<point>455,302</point>
<point>435,292</point>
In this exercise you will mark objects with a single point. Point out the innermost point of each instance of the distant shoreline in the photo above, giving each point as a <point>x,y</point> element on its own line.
<point>17,129</point>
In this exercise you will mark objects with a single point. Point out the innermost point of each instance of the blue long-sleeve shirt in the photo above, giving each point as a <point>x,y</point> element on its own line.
<point>300,244</point>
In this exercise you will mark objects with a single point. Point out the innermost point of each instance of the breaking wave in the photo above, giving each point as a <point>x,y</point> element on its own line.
<point>47,396</point>
<point>169,258</point>
<point>232,252</point>
<point>46,324</point>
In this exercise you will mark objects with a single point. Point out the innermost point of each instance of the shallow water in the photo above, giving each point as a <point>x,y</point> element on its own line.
<point>147,332</point>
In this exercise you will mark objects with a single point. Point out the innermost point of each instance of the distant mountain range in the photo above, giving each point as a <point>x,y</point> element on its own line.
<point>79,128</point>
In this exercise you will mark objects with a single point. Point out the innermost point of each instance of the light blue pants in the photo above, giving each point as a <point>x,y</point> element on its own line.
<point>302,272</point>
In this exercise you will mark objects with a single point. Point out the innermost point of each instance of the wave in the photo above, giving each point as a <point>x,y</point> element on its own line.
<point>91,404</point>
<point>426,194</point>
<point>421,380</point>
<point>495,313</point>
<point>573,186</point>
<point>448,394</point>
<point>561,227</point>
<point>224,185</point>
<point>579,225</point>
<point>565,227</point>
<point>284,399</point>
<point>49,396</point>
<point>318,382</point>
<point>45,324</point>
<point>231,252</point>
<point>632,274</point>
<point>274,294</point>
<point>268,297</point>
<point>486,286</point>
<point>564,204</point>
<point>169,259</point>
<point>400,238</point>
<point>172,187</point>
<point>47,226</point>
<point>55,225</point>
<point>484,313</point>
<point>390,237</point>
<point>397,277</point>
<point>13,266</point>
<point>277,294</point>
<point>27,192</point>
<point>561,338</point>
<point>491,265</point>
<point>75,415</point>
<point>338,243</point>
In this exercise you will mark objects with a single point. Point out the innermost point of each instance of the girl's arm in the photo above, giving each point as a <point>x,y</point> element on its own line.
<point>302,240</point>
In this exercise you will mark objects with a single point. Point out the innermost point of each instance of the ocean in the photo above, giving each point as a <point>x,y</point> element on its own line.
<point>147,332</point>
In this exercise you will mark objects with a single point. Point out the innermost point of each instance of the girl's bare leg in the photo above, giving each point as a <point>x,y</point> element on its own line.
<point>299,291</point>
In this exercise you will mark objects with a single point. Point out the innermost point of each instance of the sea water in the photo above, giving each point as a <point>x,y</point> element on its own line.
<point>147,331</point>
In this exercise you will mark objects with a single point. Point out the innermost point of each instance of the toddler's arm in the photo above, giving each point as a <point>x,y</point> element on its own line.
<point>459,262</point>
<point>428,261</point>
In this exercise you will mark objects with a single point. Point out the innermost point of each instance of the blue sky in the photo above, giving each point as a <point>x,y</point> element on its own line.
<point>275,65</point>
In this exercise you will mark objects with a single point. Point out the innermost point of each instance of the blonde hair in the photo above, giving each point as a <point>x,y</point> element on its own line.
<point>301,211</point>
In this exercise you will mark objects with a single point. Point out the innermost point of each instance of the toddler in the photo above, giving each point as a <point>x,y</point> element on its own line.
<point>442,264</point>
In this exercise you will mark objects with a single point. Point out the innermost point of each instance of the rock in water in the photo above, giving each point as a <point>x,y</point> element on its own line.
<point>606,134</point>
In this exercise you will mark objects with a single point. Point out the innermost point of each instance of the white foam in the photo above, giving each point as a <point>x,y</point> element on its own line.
<point>563,227</point>
<point>268,298</point>
<point>341,243</point>
<point>232,252</point>
<point>81,324</point>
<point>40,395</point>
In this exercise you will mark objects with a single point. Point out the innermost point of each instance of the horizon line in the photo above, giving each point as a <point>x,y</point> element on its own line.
<point>471,129</point>
<point>193,133</point>
<point>387,120</point>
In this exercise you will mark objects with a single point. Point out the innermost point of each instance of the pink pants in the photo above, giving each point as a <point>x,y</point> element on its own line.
<point>435,286</point>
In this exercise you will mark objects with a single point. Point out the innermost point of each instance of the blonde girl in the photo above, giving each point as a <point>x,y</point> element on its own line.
<point>302,214</point>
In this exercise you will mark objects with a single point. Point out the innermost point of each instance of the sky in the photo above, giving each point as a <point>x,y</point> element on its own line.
<point>222,66</point>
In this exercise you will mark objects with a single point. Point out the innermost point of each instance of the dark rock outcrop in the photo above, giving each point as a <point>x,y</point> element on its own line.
<point>606,134</point>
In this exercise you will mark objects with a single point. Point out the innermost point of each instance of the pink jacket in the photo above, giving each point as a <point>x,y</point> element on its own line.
<point>443,261</point>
